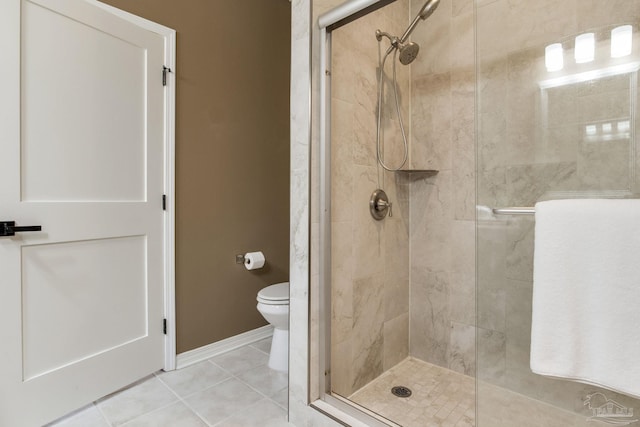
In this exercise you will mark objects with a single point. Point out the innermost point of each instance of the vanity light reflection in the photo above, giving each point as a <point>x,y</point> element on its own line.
<point>554,57</point>
<point>621,41</point>
<point>585,48</point>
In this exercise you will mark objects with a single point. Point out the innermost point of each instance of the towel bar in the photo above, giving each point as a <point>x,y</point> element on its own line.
<point>514,211</point>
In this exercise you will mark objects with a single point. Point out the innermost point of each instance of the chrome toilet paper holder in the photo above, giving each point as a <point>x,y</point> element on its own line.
<point>252,260</point>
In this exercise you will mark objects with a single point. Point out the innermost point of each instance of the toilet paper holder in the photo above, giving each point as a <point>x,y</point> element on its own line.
<point>252,260</point>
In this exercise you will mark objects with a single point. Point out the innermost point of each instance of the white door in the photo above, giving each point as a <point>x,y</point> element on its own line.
<point>81,152</point>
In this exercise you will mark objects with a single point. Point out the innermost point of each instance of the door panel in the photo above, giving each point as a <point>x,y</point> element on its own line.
<point>90,293</point>
<point>82,143</point>
<point>102,125</point>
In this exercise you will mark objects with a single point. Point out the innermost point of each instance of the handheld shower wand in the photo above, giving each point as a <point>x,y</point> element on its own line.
<point>426,11</point>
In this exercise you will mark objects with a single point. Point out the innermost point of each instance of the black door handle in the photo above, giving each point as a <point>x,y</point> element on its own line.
<point>8,228</point>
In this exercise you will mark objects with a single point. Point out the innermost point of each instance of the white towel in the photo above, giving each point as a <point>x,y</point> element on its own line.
<point>586,293</point>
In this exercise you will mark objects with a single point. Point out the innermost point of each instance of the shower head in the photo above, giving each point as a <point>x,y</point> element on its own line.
<point>408,53</point>
<point>427,9</point>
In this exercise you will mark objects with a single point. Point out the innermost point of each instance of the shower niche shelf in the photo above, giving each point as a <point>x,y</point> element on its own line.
<point>418,173</point>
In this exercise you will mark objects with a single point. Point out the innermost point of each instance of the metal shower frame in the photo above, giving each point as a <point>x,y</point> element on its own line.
<point>327,403</point>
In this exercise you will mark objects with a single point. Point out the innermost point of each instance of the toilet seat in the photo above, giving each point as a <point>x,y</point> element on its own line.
<point>277,294</point>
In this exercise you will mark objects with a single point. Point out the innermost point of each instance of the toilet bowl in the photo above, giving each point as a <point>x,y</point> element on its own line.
<point>273,304</point>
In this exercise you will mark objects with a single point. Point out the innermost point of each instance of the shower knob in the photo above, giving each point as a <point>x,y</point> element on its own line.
<point>379,205</point>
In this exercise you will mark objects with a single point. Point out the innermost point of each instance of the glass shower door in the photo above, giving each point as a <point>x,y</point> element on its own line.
<point>556,119</point>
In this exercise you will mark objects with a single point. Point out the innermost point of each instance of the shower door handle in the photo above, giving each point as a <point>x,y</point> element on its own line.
<point>8,228</point>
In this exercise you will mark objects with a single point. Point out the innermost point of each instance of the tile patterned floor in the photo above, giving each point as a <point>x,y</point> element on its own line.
<point>440,397</point>
<point>445,398</point>
<point>235,389</point>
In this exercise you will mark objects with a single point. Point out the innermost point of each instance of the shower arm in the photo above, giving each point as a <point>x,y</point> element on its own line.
<point>395,42</point>
<point>380,34</point>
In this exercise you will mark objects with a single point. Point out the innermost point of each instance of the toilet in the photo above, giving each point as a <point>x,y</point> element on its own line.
<point>273,304</point>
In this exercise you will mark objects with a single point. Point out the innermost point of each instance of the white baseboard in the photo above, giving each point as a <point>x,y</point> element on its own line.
<point>214,349</point>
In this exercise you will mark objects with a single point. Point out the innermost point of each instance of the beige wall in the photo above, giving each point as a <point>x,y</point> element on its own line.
<point>232,151</point>
<point>370,259</point>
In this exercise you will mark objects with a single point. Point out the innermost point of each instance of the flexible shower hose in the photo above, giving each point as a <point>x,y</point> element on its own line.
<point>380,96</point>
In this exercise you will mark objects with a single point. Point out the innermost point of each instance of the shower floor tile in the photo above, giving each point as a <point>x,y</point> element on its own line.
<point>446,398</point>
<point>440,397</point>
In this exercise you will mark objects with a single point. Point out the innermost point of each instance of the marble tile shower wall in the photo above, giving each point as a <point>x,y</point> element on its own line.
<point>370,259</point>
<point>442,313</point>
<point>537,144</point>
<point>373,269</point>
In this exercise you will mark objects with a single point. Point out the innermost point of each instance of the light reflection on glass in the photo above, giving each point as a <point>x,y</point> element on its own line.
<point>553,57</point>
<point>585,48</point>
<point>621,41</point>
<point>623,126</point>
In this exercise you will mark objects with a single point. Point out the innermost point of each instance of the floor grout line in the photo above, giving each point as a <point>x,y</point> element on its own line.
<point>185,403</point>
<point>196,413</point>
<point>102,414</point>
<point>149,413</point>
<point>231,376</point>
<point>155,376</point>
<point>236,413</point>
<point>246,383</point>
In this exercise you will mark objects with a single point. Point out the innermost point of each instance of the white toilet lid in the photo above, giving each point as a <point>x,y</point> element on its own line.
<point>275,293</point>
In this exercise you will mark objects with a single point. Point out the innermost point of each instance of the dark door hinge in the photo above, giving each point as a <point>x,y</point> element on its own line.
<point>164,326</point>
<point>165,70</point>
<point>164,202</point>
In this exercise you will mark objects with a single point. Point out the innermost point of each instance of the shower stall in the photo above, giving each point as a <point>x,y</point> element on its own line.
<point>465,114</point>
